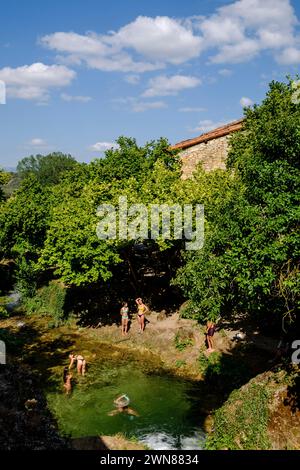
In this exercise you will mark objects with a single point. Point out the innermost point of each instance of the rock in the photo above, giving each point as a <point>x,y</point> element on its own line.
<point>183,307</point>
<point>185,333</point>
<point>30,404</point>
<point>162,315</point>
<point>240,336</point>
<point>88,443</point>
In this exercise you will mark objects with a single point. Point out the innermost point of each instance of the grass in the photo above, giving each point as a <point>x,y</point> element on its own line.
<point>179,363</point>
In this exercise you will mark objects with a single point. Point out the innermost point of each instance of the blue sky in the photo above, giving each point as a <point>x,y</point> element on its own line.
<point>80,73</point>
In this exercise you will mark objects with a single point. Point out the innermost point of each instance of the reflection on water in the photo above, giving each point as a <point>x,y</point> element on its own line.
<point>167,407</point>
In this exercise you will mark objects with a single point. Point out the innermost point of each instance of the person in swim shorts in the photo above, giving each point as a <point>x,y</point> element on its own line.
<point>210,331</point>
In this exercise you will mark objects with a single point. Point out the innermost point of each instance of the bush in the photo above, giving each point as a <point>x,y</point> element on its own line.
<point>49,300</point>
<point>242,422</point>
<point>3,312</point>
<point>182,341</point>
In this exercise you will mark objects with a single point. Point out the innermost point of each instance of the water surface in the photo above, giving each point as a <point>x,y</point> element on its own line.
<point>167,407</point>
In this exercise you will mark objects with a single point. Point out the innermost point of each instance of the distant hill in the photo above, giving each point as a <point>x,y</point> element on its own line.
<point>10,169</point>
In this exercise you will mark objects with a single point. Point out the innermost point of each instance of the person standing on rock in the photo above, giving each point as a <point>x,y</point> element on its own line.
<point>124,315</point>
<point>142,309</point>
<point>210,331</point>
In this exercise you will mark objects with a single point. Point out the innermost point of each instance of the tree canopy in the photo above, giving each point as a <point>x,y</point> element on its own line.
<point>250,259</point>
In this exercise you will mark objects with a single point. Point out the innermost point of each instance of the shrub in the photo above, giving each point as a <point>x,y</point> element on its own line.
<point>242,422</point>
<point>182,342</point>
<point>49,300</point>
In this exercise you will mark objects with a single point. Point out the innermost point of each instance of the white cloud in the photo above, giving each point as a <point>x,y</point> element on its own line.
<point>161,38</point>
<point>140,106</point>
<point>239,52</point>
<point>34,82</point>
<point>163,85</point>
<point>236,32</point>
<point>79,98</point>
<point>289,56</point>
<point>37,142</point>
<point>102,146</point>
<point>225,72</point>
<point>159,41</point>
<point>191,110</point>
<point>244,28</point>
<point>207,125</point>
<point>220,29</point>
<point>132,79</point>
<point>244,101</point>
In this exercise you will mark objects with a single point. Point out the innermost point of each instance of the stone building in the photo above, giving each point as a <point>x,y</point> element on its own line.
<point>210,148</point>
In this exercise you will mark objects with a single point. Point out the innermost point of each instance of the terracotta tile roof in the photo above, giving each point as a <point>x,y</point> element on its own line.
<point>214,134</point>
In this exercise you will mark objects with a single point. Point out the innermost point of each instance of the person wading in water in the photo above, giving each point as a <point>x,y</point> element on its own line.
<point>67,378</point>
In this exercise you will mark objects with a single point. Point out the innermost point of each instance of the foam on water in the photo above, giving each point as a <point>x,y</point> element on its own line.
<point>164,441</point>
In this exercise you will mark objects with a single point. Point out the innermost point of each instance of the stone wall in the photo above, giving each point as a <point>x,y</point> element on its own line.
<point>213,154</point>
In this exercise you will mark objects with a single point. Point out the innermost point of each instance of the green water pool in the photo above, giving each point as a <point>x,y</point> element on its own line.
<point>168,408</point>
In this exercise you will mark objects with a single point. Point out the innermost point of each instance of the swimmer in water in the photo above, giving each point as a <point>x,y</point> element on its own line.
<point>67,378</point>
<point>121,404</point>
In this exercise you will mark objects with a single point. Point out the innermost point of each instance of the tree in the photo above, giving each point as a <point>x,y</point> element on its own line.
<point>4,179</point>
<point>130,160</point>
<point>48,169</point>
<point>250,261</point>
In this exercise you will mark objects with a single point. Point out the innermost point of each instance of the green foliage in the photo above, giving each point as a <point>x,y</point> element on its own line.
<point>23,220</point>
<point>4,179</point>
<point>211,363</point>
<point>182,343</point>
<point>48,169</point>
<point>49,300</point>
<point>26,281</point>
<point>129,160</point>
<point>48,226</point>
<point>223,370</point>
<point>250,259</point>
<point>242,421</point>
<point>180,363</point>
<point>72,247</point>
<point>3,312</point>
